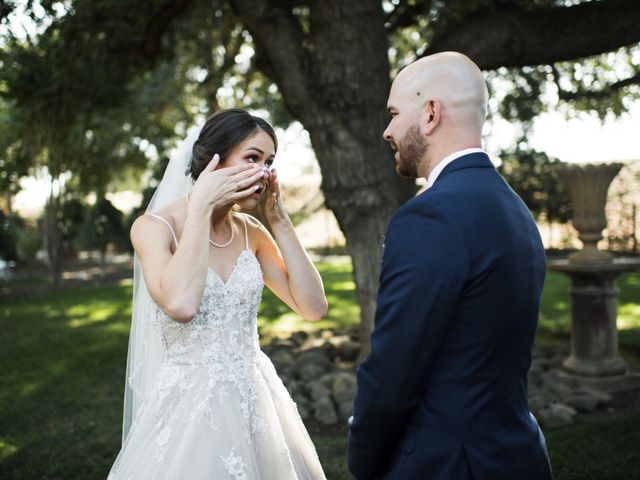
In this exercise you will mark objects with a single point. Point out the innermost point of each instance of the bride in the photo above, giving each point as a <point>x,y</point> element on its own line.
<point>201,400</point>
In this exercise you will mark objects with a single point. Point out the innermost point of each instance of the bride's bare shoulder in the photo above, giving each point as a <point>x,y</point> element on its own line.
<point>150,226</point>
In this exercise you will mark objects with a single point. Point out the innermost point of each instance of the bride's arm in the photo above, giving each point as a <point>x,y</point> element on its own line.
<point>288,270</point>
<point>175,281</point>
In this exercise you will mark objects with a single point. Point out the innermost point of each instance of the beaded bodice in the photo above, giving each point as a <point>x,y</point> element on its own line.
<point>224,330</point>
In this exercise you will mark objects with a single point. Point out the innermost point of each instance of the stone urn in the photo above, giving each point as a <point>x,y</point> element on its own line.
<point>588,186</point>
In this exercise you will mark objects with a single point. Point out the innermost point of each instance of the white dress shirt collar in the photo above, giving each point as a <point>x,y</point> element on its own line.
<point>446,161</point>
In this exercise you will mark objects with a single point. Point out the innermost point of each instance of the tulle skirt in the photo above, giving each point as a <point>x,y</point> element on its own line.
<point>201,424</point>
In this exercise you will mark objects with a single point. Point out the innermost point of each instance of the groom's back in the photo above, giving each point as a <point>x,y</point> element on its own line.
<point>475,397</point>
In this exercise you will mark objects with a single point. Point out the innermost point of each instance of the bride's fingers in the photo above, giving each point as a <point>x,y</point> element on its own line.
<point>245,169</point>
<point>247,181</point>
<point>253,169</point>
<point>211,166</point>
<point>237,195</point>
<point>273,181</point>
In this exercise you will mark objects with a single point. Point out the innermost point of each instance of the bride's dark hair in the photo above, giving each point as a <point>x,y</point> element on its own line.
<point>221,133</point>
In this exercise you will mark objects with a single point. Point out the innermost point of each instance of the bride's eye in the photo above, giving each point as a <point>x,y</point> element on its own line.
<point>268,164</point>
<point>252,158</point>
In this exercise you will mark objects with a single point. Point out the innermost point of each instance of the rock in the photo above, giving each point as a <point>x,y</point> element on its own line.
<point>536,403</point>
<point>282,358</point>
<point>304,409</point>
<point>324,411</point>
<point>557,415</point>
<point>346,348</point>
<point>318,391</point>
<point>310,371</point>
<point>312,364</point>
<point>316,356</point>
<point>298,338</point>
<point>535,375</point>
<point>345,410</point>
<point>297,389</point>
<point>556,360</point>
<point>603,398</point>
<point>555,389</point>
<point>344,388</point>
<point>582,402</point>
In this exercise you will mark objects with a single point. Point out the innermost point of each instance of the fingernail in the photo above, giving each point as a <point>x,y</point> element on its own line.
<point>216,157</point>
<point>261,174</point>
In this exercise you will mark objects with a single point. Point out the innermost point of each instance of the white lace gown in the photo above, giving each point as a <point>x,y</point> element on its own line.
<point>218,410</point>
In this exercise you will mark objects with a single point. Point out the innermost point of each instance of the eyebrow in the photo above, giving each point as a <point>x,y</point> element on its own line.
<point>261,152</point>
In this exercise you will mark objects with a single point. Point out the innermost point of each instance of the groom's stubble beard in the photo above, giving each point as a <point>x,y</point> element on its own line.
<point>411,149</point>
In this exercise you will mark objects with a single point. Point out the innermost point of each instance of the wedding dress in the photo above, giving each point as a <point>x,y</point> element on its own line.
<point>217,409</point>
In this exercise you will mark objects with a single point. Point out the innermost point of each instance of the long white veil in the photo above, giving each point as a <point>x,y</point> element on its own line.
<point>146,349</point>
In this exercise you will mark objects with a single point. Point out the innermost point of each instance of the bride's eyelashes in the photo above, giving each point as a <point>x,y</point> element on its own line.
<point>254,159</point>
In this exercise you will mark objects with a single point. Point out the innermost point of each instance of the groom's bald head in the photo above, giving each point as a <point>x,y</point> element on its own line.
<point>438,106</point>
<point>452,79</point>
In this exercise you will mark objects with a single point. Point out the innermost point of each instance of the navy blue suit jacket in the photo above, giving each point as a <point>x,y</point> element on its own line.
<point>443,393</point>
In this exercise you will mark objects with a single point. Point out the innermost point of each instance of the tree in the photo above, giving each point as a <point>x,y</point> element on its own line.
<point>530,174</point>
<point>330,63</point>
<point>75,109</point>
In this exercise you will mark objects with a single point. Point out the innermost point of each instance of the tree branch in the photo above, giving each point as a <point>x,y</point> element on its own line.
<point>404,15</point>
<point>516,37</point>
<point>280,52</point>
<point>604,92</point>
<point>159,23</point>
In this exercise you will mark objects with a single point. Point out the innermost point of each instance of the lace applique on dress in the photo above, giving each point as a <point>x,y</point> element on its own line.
<point>234,466</point>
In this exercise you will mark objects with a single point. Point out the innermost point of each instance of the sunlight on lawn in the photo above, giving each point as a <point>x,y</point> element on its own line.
<point>6,449</point>
<point>629,316</point>
<point>81,315</point>
<point>277,320</point>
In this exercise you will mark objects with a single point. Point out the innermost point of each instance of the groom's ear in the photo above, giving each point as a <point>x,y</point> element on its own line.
<point>431,115</point>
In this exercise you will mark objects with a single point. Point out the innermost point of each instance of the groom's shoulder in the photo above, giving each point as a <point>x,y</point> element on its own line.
<point>421,207</point>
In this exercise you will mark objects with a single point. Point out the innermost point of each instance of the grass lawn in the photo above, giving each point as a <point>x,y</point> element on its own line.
<point>62,361</point>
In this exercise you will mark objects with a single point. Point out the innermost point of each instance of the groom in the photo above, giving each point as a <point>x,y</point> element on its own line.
<point>443,393</point>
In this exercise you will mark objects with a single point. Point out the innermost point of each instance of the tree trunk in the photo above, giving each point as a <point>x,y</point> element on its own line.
<point>334,78</point>
<point>53,238</point>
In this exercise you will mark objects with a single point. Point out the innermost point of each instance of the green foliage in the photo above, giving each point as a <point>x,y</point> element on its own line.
<point>103,226</point>
<point>29,242</point>
<point>8,236</point>
<point>73,214</point>
<point>530,174</point>
<point>19,240</point>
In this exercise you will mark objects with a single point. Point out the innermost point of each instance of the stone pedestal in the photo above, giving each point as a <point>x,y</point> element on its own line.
<point>594,336</point>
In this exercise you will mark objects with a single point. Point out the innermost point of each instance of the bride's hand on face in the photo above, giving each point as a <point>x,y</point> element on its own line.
<point>216,188</point>
<point>274,210</point>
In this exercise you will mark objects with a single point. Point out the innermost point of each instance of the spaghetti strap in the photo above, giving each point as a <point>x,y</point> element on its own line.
<point>246,235</point>
<point>175,239</point>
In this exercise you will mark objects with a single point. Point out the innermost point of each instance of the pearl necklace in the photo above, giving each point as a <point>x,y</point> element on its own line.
<point>218,245</point>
